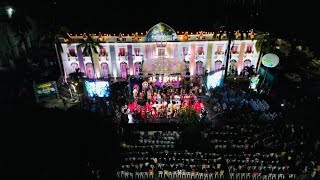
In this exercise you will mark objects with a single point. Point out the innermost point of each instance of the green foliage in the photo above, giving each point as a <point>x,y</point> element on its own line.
<point>89,46</point>
<point>189,117</point>
<point>53,35</point>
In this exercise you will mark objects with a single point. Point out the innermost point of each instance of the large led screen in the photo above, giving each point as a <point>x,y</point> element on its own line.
<point>47,88</point>
<point>97,88</point>
<point>214,80</point>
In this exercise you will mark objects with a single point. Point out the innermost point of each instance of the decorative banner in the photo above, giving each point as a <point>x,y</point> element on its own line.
<point>47,88</point>
<point>270,60</point>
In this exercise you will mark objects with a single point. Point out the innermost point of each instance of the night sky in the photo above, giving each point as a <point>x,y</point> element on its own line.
<point>286,18</point>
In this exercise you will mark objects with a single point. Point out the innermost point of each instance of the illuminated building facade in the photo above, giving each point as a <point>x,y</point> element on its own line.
<point>160,51</point>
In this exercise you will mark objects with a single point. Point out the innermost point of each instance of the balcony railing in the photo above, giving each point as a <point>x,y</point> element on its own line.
<point>71,58</point>
<point>200,57</point>
<point>123,58</point>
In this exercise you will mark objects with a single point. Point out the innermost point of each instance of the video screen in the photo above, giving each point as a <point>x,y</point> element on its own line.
<point>47,88</point>
<point>214,80</point>
<point>97,88</point>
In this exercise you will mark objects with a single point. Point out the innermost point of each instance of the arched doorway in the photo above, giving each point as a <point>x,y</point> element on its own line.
<point>123,69</point>
<point>233,67</point>
<point>217,65</point>
<point>199,68</point>
<point>136,68</point>
<point>104,70</point>
<point>89,70</point>
<point>74,66</point>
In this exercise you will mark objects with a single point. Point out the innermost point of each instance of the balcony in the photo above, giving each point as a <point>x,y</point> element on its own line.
<point>72,58</point>
<point>248,56</point>
<point>103,58</point>
<point>219,56</point>
<point>200,57</point>
<point>234,56</point>
<point>123,58</point>
<point>138,58</point>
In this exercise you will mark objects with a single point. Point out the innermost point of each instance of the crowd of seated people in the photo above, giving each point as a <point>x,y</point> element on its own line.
<point>241,148</point>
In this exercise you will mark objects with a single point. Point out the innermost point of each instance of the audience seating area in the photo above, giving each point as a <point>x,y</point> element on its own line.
<point>242,148</point>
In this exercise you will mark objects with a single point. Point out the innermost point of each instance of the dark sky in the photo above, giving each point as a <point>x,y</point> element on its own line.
<point>286,17</point>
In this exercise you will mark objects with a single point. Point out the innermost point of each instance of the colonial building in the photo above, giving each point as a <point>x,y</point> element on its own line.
<point>161,50</point>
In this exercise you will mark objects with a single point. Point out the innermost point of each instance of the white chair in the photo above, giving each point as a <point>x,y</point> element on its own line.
<point>184,175</point>
<point>200,175</point>
<point>243,175</point>
<point>126,175</point>
<point>231,175</point>
<point>292,176</point>
<point>118,174</point>
<point>141,175</point>
<point>248,175</point>
<point>169,174</point>
<point>188,175</point>
<point>205,176</point>
<point>238,175</point>
<point>216,175</point>
<point>194,175</point>
<point>210,176</point>
<point>265,177</point>
<point>221,175</point>
<point>160,174</point>
<point>280,176</point>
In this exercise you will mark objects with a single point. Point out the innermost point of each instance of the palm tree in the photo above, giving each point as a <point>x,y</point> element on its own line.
<point>52,38</point>
<point>89,46</point>
<point>21,27</point>
<point>230,36</point>
<point>267,43</point>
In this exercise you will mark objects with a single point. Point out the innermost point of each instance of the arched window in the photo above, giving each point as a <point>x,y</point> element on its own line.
<point>136,68</point>
<point>89,70</point>
<point>104,70</point>
<point>233,66</point>
<point>217,65</point>
<point>123,68</point>
<point>74,66</point>
<point>199,68</point>
<point>72,52</point>
<point>247,63</point>
<point>103,52</point>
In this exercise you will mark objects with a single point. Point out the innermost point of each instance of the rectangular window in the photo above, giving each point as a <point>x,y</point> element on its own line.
<point>122,52</point>
<point>185,50</point>
<point>200,50</point>
<point>72,52</point>
<point>161,52</point>
<point>219,49</point>
<point>249,48</point>
<point>103,52</point>
<point>234,49</point>
<point>137,51</point>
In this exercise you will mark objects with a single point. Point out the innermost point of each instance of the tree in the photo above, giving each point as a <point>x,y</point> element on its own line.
<point>89,46</point>
<point>230,36</point>
<point>250,70</point>
<point>52,38</point>
<point>21,27</point>
<point>189,117</point>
